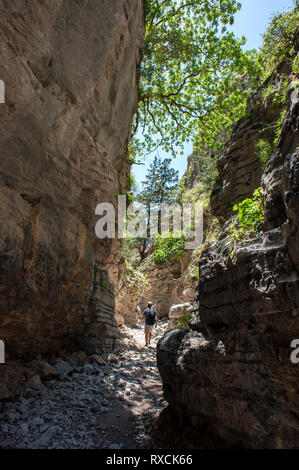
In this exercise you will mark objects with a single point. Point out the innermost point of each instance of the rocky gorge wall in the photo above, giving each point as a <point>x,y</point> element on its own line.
<point>240,168</point>
<point>71,72</point>
<point>230,373</point>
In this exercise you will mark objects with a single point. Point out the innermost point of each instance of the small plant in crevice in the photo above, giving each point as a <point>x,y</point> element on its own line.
<point>250,215</point>
<point>196,273</point>
<point>183,321</point>
<point>251,211</point>
<point>130,197</point>
<point>264,150</point>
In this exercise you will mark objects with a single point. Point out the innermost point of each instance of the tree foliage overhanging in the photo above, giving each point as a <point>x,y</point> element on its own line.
<point>187,75</point>
<point>195,76</point>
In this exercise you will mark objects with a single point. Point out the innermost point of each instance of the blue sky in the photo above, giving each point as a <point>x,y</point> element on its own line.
<point>251,21</point>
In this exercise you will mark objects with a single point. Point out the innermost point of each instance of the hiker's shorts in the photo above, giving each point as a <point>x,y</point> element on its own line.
<point>148,329</point>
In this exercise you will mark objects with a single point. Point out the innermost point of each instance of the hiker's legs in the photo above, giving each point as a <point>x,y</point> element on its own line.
<point>146,332</point>
<point>150,330</point>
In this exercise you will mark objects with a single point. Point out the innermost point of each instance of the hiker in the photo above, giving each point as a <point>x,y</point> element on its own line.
<point>150,319</point>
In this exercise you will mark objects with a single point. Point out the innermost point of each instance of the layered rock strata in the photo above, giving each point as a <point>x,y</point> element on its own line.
<point>240,168</point>
<point>231,372</point>
<point>71,71</point>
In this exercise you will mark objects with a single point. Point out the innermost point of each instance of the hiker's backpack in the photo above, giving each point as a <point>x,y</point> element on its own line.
<point>151,316</point>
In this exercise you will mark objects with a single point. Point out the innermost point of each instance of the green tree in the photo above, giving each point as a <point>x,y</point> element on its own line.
<point>161,185</point>
<point>190,61</point>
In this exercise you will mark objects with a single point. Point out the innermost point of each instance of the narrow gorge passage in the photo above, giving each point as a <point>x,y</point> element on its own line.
<point>149,155</point>
<point>91,406</point>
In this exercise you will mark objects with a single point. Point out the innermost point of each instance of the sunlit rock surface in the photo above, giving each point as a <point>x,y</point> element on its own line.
<point>71,71</point>
<point>240,168</point>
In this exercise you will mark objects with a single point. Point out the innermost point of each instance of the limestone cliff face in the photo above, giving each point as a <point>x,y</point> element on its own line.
<point>231,373</point>
<point>239,168</point>
<point>71,71</point>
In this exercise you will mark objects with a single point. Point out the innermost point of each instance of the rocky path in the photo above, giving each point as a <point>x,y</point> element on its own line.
<point>90,406</point>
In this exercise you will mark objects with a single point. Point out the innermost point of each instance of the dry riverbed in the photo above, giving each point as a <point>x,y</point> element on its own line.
<point>90,405</point>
